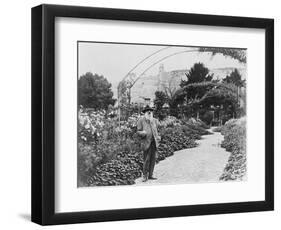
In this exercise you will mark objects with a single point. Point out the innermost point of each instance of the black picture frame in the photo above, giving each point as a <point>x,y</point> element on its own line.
<point>43,114</point>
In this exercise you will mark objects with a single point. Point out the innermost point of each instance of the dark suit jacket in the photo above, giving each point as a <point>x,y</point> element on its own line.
<point>147,131</point>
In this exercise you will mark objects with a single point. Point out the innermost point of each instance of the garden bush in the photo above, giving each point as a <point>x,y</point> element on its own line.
<point>207,117</point>
<point>197,126</point>
<point>234,132</point>
<point>217,129</point>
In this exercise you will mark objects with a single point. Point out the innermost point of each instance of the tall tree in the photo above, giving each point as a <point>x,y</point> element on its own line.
<point>159,101</point>
<point>95,91</point>
<point>234,78</point>
<point>198,73</point>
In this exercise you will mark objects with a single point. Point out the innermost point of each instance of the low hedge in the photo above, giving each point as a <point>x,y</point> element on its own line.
<point>234,141</point>
<point>217,129</point>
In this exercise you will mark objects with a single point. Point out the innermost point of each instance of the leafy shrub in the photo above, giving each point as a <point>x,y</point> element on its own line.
<point>170,121</point>
<point>207,117</point>
<point>230,124</point>
<point>202,124</point>
<point>198,126</point>
<point>192,133</point>
<point>217,129</point>
<point>234,132</point>
<point>100,140</point>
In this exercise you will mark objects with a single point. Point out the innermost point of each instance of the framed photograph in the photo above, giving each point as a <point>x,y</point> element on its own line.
<point>142,114</point>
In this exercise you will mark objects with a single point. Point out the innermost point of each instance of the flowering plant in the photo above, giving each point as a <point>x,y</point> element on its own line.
<point>170,121</point>
<point>90,124</point>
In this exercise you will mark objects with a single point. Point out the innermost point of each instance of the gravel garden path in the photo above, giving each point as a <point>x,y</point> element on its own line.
<point>204,163</point>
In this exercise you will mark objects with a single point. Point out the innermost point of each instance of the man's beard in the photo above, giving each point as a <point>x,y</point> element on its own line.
<point>149,116</point>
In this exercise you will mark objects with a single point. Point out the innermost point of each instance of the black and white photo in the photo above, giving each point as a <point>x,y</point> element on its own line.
<point>160,114</point>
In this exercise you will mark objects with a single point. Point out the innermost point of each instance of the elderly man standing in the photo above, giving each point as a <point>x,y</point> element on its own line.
<point>147,129</point>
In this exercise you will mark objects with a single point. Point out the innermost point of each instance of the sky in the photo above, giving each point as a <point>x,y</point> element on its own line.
<point>114,61</point>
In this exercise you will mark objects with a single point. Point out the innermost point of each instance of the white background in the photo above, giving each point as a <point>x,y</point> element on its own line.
<point>15,115</point>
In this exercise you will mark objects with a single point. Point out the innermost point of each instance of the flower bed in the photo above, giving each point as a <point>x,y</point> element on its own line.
<point>234,132</point>
<point>127,166</point>
<point>116,159</point>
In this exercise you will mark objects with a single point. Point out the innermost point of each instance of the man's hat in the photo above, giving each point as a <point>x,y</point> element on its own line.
<point>147,108</point>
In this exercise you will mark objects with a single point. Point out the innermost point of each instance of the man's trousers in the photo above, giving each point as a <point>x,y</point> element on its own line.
<point>149,158</point>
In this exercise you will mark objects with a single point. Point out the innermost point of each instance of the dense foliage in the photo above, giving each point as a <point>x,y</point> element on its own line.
<point>94,91</point>
<point>206,98</point>
<point>235,78</point>
<point>159,101</point>
<point>197,73</point>
<point>234,132</point>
